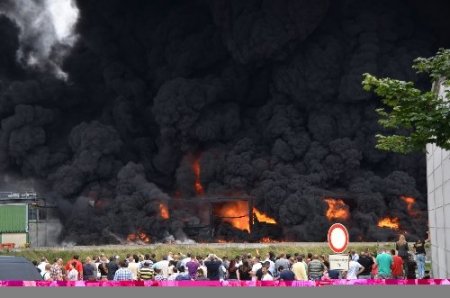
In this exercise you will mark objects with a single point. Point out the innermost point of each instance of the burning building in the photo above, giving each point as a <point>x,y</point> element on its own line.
<point>148,120</point>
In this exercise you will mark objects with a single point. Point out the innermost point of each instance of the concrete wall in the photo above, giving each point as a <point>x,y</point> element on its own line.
<point>44,233</point>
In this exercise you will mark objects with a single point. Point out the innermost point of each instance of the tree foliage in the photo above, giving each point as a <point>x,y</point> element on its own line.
<point>416,117</point>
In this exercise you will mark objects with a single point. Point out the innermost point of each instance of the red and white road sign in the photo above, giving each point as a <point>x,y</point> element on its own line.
<point>338,238</point>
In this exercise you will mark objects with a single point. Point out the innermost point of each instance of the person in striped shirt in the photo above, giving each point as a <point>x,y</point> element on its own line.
<point>123,273</point>
<point>145,273</point>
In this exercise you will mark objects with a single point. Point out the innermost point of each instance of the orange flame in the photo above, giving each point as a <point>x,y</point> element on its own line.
<point>337,209</point>
<point>163,211</point>
<point>409,205</point>
<point>198,185</point>
<point>236,214</point>
<point>267,240</point>
<point>140,236</point>
<point>131,237</point>
<point>261,217</point>
<point>390,223</point>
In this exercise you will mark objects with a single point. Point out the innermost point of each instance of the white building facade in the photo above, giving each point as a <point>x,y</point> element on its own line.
<point>438,182</point>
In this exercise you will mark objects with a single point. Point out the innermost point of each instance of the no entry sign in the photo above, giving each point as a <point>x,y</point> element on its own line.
<point>338,238</point>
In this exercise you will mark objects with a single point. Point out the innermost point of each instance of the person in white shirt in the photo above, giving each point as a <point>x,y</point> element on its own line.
<point>163,266</point>
<point>42,264</point>
<point>133,266</point>
<point>184,261</point>
<point>355,256</point>
<point>72,275</point>
<point>354,269</point>
<point>46,275</point>
<point>266,274</point>
<point>256,266</point>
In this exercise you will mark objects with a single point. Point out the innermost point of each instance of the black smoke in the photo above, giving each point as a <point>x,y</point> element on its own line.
<point>265,94</point>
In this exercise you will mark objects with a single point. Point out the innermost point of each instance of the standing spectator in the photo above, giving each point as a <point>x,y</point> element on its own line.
<point>354,256</point>
<point>397,266</point>
<point>282,261</point>
<point>411,267</point>
<point>367,262</point>
<point>308,258</point>
<point>47,275</point>
<point>174,273</point>
<point>72,273</point>
<point>158,275</point>
<point>184,261</point>
<point>384,263</point>
<point>89,270</point>
<point>133,266</point>
<point>103,258</point>
<point>123,273</point>
<point>244,271</point>
<point>232,270</point>
<point>256,266</point>
<point>201,261</point>
<point>183,275</point>
<point>192,267</point>
<point>42,264</point>
<point>147,260</point>
<point>285,274</point>
<point>299,269</point>
<point>402,249</point>
<point>200,275</point>
<point>163,265</point>
<point>419,248</point>
<point>103,270</point>
<point>265,272</point>
<point>112,267</point>
<point>213,265</point>
<point>35,263</point>
<point>374,271</point>
<point>56,272</point>
<point>78,267</point>
<point>145,273</point>
<point>315,268</point>
<point>354,269</point>
<point>269,257</point>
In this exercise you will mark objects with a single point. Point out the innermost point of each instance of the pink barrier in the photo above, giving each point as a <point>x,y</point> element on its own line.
<point>228,283</point>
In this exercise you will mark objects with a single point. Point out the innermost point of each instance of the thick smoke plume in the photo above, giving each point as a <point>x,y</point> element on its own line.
<point>264,95</point>
<point>46,31</point>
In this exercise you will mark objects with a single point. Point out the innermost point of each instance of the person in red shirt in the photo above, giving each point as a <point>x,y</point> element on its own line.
<point>79,266</point>
<point>397,266</point>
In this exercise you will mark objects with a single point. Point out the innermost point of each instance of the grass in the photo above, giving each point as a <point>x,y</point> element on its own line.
<point>161,250</point>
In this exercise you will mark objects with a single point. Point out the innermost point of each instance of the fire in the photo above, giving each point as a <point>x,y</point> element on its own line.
<point>163,211</point>
<point>236,214</point>
<point>198,185</point>
<point>261,217</point>
<point>337,209</point>
<point>267,240</point>
<point>139,236</point>
<point>387,222</point>
<point>409,205</point>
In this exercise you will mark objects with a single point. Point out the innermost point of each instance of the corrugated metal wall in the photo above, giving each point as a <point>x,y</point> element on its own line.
<point>13,218</point>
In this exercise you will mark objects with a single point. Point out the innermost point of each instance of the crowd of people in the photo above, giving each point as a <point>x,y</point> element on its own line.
<point>399,263</point>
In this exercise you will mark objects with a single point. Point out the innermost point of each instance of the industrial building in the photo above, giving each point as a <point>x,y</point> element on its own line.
<point>27,220</point>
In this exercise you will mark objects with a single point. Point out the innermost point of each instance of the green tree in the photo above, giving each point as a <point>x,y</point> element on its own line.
<point>416,117</point>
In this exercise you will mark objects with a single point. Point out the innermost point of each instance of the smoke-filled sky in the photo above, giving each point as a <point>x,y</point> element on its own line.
<point>106,105</point>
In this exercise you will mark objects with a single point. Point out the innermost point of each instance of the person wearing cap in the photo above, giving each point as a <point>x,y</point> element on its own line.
<point>163,266</point>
